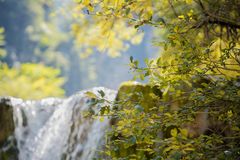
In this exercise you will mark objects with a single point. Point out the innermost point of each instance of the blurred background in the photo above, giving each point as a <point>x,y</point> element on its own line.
<point>39,56</point>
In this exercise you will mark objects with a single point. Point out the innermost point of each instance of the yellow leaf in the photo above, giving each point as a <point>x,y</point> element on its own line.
<point>174,132</point>
<point>168,114</point>
<point>166,90</point>
<point>90,95</point>
<point>184,132</point>
<point>181,17</point>
<point>238,92</point>
<point>189,149</point>
<point>229,113</point>
<point>188,1</point>
<point>101,119</point>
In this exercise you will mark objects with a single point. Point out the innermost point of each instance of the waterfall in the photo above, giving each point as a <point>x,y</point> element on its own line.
<point>56,129</point>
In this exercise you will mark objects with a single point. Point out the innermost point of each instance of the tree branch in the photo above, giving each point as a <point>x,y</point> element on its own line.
<point>214,19</point>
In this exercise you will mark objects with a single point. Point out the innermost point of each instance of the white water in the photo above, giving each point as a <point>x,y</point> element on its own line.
<point>55,129</point>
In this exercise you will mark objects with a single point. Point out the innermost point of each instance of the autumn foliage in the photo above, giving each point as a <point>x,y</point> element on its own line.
<point>197,73</point>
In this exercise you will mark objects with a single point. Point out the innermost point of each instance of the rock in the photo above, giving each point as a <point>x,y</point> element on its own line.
<point>6,120</point>
<point>8,148</point>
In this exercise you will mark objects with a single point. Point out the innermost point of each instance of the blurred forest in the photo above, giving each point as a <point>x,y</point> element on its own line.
<point>38,34</point>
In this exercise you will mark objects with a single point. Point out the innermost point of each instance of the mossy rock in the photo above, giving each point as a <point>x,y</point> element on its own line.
<point>8,149</point>
<point>137,94</point>
<point>6,120</point>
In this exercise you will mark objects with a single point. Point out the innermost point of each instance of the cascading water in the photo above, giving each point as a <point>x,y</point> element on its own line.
<point>55,129</point>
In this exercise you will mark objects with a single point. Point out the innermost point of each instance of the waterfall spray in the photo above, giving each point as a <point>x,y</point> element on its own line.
<point>55,129</point>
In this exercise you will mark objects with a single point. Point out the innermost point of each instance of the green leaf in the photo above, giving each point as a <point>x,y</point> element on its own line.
<point>131,59</point>
<point>127,11</point>
<point>101,93</point>
<point>161,20</point>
